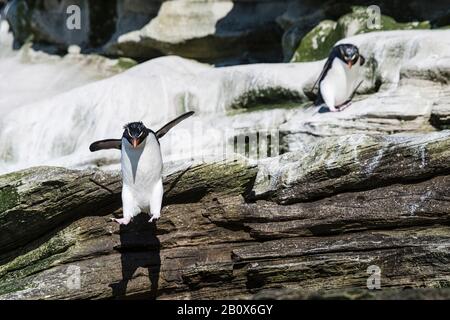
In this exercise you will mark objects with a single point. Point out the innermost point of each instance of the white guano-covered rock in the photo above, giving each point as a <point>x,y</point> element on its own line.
<point>404,85</point>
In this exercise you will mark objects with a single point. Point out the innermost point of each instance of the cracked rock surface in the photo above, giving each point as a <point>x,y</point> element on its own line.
<point>297,228</point>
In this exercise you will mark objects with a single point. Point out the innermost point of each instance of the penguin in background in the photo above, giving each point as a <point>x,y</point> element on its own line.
<point>338,79</point>
<point>142,164</point>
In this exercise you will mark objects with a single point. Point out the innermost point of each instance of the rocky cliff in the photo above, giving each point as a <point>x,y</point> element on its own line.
<point>405,90</point>
<point>219,32</point>
<point>230,230</point>
<point>265,196</point>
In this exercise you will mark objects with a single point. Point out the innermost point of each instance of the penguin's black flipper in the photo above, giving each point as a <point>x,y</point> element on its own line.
<point>106,144</point>
<point>327,65</point>
<point>317,97</point>
<point>325,69</point>
<point>161,132</point>
<point>361,60</point>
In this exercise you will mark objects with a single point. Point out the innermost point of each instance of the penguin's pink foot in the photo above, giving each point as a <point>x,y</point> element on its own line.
<point>123,221</point>
<point>333,109</point>
<point>154,217</point>
<point>344,106</point>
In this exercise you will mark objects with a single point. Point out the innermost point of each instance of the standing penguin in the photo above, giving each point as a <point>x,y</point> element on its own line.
<point>141,163</point>
<point>339,76</point>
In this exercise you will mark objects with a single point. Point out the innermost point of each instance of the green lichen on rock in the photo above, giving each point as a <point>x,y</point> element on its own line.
<point>126,63</point>
<point>16,285</point>
<point>317,44</point>
<point>286,105</point>
<point>9,197</point>
<point>231,178</point>
<point>268,96</point>
<point>38,259</point>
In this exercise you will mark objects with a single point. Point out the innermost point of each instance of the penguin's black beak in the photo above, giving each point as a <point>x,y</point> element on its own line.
<point>135,142</point>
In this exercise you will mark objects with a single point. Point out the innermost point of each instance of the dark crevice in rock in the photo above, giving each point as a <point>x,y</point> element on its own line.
<point>268,98</point>
<point>102,186</point>
<point>440,122</point>
<point>102,21</point>
<point>192,196</point>
<point>237,226</point>
<point>362,186</point>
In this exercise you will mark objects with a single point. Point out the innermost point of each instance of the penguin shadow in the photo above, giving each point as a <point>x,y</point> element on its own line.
<point>139,249</point>
<point>316,102</point>
<point>323,109</point>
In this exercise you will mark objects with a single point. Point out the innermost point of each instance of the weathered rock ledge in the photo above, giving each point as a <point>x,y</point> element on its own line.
<point>299,226</point>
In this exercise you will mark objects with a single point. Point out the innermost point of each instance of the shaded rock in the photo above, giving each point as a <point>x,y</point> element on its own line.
<point>221,32</point>
<point>440,116</point>
<point>44,22</point>
<point>224,32</point>
<point>215,240</point>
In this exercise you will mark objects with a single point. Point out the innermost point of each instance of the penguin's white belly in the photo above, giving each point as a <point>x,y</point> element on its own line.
<point>141,172</point>
<point>338,84</point>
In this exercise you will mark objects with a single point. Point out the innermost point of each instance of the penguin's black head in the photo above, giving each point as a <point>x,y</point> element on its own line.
<point>348,53</point>
<point>135,133</point>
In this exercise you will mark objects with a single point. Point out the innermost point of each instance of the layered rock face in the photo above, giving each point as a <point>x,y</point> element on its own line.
<point>325,219</point>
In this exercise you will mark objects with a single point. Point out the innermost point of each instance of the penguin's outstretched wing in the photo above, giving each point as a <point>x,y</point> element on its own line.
<point>161,132</point>
<point>106,144</point>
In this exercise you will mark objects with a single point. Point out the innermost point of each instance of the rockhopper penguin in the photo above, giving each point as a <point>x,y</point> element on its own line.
<point>338,80</point>
<point>141,162</point>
